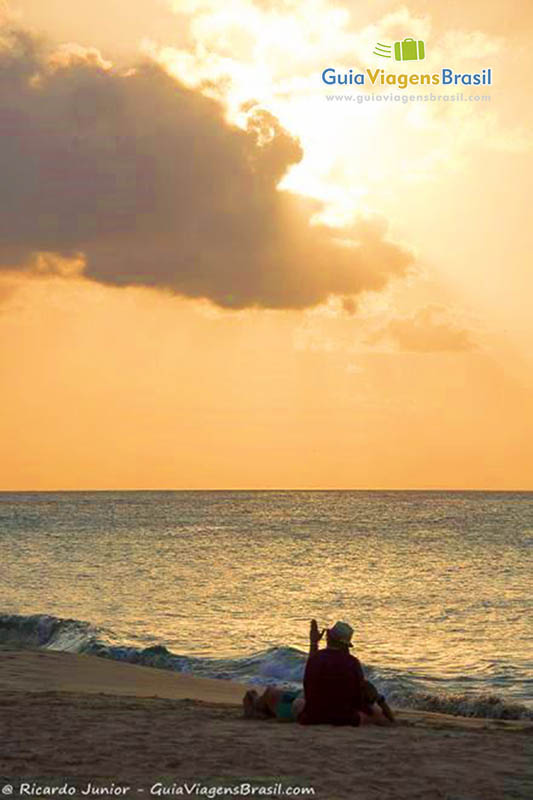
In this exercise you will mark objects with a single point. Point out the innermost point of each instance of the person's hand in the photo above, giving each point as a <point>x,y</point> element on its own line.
<point>314,634</point>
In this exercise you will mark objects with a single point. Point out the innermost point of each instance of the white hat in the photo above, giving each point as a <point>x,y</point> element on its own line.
<point>342,632</point>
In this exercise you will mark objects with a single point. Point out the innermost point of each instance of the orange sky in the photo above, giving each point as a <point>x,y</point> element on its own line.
<point>175,314</point>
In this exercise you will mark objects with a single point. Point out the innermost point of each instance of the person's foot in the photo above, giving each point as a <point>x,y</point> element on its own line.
<point>248,703</point>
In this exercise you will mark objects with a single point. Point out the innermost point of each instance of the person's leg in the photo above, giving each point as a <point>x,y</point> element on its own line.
<point>269,700</point>
<point>248,703</point>
<point>297,707</point>
<point>256,706</point>
<point>386,710</point>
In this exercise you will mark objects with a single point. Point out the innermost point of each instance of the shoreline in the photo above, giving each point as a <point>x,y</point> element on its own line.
<point>74,720</point>
<point>35,670</point>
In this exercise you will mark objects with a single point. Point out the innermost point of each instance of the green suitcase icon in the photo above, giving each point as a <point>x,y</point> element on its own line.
<point>409,50</point>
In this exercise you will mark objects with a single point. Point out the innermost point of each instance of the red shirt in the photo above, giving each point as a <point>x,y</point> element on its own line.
<point>333,688</point>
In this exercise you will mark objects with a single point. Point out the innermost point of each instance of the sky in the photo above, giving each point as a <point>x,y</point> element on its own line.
<point>213,276</point>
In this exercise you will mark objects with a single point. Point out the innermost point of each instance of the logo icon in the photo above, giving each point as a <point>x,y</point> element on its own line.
<point>384,50</point>
<point>407,50</point>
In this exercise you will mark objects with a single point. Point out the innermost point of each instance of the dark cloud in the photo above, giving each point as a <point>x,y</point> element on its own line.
<point>427,331</point>
<point>146,179</point>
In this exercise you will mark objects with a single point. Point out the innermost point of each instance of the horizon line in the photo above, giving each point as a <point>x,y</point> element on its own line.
<point>272,489</point>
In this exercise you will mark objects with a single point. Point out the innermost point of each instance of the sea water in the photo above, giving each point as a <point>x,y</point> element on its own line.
<point>437,585</point>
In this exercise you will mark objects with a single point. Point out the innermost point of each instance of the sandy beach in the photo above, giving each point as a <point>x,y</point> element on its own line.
<point>81,724</point>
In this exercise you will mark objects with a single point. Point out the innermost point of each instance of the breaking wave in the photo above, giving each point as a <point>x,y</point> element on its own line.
<point>281,665</point>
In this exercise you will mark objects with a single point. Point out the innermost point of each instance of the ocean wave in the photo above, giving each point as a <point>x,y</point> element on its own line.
<point>487,706</point>
<point>43,630</point>
<point>280,665</point>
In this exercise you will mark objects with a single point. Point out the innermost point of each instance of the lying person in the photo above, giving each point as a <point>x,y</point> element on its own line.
<point>335,690</point>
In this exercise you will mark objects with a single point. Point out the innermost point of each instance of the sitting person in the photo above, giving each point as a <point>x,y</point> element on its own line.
<point>335,689</point>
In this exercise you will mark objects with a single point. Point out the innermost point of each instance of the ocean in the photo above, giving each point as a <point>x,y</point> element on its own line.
<point>437,585</point>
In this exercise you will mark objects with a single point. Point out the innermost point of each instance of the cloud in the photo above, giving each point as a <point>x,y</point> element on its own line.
<point>8,289</point>
<point>145,182</point>
<point>427,331</point>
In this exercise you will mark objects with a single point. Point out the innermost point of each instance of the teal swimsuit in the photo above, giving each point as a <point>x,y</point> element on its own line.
<point>284,706</point>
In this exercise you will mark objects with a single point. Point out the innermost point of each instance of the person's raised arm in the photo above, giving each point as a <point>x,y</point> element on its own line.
<point>314,637</point>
